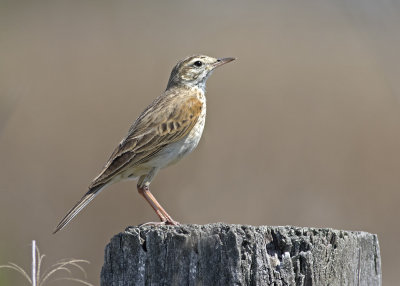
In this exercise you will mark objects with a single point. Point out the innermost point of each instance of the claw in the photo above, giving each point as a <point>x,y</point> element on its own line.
<point>158,223</point>
<point>153,223</point>
<point>172,222</point>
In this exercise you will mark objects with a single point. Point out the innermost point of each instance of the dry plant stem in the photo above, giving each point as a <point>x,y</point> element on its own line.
<point>33,263</point>
<point>38,279</point>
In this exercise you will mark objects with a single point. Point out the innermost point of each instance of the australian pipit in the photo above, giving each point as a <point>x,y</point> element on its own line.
<point>167,130</point>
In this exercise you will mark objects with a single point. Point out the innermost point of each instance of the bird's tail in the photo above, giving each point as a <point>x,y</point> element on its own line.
<point>87,198</point>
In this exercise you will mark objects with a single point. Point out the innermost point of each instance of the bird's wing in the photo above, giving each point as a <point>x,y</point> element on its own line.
<point>168,119</point>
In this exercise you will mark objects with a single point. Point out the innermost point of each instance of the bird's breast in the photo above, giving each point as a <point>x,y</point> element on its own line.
<point>177,150</point>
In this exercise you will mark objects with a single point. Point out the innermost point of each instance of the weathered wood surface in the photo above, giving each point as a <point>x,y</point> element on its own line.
<point>221,254</point>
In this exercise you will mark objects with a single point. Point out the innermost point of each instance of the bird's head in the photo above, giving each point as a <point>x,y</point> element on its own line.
<point>194,71</point>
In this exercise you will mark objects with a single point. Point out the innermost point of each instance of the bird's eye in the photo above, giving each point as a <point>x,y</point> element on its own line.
<point>198,64</point>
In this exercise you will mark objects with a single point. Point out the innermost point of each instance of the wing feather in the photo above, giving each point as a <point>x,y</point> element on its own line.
<point>167,120</point>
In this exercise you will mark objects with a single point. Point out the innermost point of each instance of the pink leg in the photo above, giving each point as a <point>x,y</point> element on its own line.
<point>160,211</point>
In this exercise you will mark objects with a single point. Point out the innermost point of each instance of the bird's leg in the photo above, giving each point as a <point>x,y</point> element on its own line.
<point>160,211</point>
<point>143,189</point>
<point>144,192</point>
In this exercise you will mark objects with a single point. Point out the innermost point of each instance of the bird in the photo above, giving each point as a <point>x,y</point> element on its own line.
<point>167,130</point>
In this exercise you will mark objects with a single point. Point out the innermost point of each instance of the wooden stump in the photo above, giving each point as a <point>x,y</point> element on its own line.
<point>222,254</point>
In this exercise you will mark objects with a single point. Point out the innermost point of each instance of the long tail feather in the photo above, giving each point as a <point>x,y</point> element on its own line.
<point>87,198</point>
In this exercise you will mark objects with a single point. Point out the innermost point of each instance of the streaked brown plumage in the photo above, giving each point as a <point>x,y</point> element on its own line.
<point>167,130</point>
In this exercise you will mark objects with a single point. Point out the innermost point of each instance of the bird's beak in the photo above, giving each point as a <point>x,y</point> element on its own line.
<point>222,61</point>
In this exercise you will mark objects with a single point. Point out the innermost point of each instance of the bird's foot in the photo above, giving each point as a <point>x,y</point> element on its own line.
<point>152,223</point>
<point>159,223</point>
<point>171,222</point>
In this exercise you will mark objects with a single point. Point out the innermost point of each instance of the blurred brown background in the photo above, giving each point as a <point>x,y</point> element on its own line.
<point>303,129</point>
